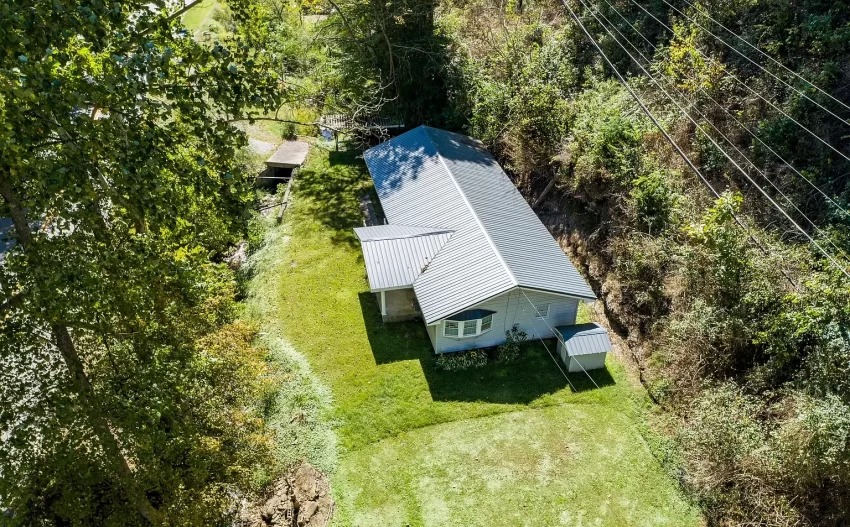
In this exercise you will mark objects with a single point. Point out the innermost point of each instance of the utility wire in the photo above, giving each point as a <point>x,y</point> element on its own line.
<point>706,119</point>
<point>725,154</point>
<point>558,364</point>
<point>557,336</point>
<point>754,63</point>
<point>727,112</point>
<point>747,87</point>
<point>666,135</point>
<point>705,13</point>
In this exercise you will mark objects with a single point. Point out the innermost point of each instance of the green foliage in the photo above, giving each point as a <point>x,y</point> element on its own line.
<point>721,259</point>
<point>691,69</point>
<point>520,99</point>
<point>653,200</point>
<point>461,360</point>
<point>391,58</point>
<point>114,143</point>
<point>642,265</point>
<point>603,152</point>
<point>814,442</point>
<point>513,346</point>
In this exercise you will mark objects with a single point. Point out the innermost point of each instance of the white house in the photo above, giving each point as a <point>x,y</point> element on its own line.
<point>462,250</point>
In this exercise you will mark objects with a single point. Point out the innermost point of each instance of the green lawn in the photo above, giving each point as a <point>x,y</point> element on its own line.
<point>200,17</point>
<point>504,445</point>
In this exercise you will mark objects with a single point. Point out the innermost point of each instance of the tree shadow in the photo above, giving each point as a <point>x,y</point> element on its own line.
<point>334,190</point>
<point>529,378</point>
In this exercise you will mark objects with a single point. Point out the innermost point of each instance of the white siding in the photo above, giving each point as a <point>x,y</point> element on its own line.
<point>511,308</point>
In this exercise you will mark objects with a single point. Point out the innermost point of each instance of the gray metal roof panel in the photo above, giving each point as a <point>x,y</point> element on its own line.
<point>389,232</point>
<point>526,246</point>
<point>397,262</point>
<point>585,339</point>
<point>429,177</point>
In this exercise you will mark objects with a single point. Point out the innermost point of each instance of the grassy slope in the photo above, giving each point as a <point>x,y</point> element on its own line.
<point>505,445</point>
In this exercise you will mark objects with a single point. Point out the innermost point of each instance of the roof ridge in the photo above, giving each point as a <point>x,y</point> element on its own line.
<point>469,205</point>
<point>409,236</point>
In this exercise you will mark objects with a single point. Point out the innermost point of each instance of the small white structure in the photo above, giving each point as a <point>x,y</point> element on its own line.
<point>583,347</point>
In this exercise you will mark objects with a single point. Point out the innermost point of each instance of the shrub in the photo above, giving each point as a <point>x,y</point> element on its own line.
<point>462,360</point>
<point>513,347</point>
<point>653,201</point>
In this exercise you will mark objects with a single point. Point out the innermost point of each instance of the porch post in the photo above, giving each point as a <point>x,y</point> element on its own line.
<point>384,303</point>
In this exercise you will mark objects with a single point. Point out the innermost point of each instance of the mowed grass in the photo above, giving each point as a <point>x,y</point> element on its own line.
<point>200,17</point>
<point>510,444</point>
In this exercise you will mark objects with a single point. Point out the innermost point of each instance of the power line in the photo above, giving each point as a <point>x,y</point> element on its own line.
<point>759,66</point>
<point>725,154</point>
<point>666,135</point>
<point>727,112</point>
<point>557,336</point>
<point>716,129</point>
<point>567,377</point>
<point>747,87</point>
<point>765,55</point>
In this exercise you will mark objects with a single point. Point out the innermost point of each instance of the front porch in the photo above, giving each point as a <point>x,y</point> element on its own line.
<point>398,305</point>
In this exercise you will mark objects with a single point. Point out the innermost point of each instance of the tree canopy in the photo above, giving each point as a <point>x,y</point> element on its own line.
<point>118,168</point>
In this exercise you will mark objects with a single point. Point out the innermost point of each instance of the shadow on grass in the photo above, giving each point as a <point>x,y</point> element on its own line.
<point>520,382</point>
<point>333,187</point>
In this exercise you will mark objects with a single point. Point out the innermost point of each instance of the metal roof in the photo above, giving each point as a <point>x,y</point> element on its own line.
<point>290,154</point>
<point>388,232</point>
<point>396,255</point>
<point>585,339</point>
<point>428,177</point>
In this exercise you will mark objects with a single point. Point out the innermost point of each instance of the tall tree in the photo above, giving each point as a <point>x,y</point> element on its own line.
<point>117,170</point>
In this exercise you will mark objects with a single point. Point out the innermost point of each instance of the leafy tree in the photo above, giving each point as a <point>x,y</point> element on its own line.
<point>117,169</point>
<point>391,58</point>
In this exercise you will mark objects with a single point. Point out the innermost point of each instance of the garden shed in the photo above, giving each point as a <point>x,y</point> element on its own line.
<point>583,347</point>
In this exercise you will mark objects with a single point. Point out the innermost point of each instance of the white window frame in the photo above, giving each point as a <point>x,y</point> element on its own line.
<point>461,326</point>
<point>539,312</point>
<point>456,327</point>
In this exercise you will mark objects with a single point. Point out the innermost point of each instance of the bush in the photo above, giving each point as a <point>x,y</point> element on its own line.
<point>653,201</point>
<point>461,360</point>
<point>513,347</point>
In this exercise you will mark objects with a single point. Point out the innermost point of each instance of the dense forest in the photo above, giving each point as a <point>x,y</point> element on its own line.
<point>710,217</point>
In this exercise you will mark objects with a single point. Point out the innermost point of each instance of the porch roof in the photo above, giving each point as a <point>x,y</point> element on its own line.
<point>395,255</point>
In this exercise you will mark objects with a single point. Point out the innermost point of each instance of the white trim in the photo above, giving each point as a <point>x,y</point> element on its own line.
<point>383,303</point>
<point>538,312</point>
<point>461,324</point>
<point>565,295</point>
<point>398,288</point>
<point>474,215</point>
